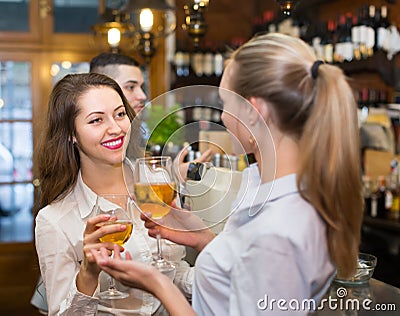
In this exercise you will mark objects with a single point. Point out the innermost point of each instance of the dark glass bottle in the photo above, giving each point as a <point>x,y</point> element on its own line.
<point>371,29</point>
<point>382,28</point>
<point>355,37</point>
<point>381,197</point>
<point>329,42</point>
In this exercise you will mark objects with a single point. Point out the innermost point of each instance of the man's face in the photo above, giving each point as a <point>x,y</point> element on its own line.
<point>130,79</point>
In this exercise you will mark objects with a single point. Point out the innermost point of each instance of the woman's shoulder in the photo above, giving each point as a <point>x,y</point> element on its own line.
<point>57,209</point>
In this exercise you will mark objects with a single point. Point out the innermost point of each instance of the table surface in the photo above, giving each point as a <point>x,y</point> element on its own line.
<point>373,298</point>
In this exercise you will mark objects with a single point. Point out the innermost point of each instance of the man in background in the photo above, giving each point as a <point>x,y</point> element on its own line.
<point>126,72</point>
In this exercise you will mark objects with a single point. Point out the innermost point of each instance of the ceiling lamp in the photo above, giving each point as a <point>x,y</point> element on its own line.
<point>287,6</point>
<point>141,22</point>
<point>113,25</point>
<point>195,24</point>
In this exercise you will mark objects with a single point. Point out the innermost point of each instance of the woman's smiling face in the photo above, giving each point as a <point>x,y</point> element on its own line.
<point>101,126</point>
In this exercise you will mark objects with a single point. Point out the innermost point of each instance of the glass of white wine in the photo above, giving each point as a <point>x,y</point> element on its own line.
<point>154,191</point>
<point>119,207</point>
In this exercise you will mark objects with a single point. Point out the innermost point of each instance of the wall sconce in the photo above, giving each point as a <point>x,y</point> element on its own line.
<point>287,6</point>
<point>142,22</point>
<point>195,24</point>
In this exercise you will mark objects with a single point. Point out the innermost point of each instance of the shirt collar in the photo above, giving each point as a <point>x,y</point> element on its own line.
<point>85,197</point>
<point>261,194</point>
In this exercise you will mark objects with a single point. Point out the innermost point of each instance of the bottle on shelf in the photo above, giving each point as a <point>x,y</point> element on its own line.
<point>375,197</point>
<point>181,60</point>
<point>318,41</point>
<point>363,29</point>
<point>340,38</point>
<point>258,25</point>
<point>219,62</point>
<point>370,43</point>
<point>269,23</point>
<point>197,62</point>
<point>208,60</point>
<point>179,63</point>
<point>356,37</point>
<point>394,210</point>
<point>367,194</point>
<point>383,24</point>
<point>328,45</point>
<point>348,47</point>
<point>381,197</point>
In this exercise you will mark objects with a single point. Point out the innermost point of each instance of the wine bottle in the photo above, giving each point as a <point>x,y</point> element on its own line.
<point>356,37</point>
<point>179,63</point>
<point>382,28</point>
<point>381,197</point>
<point>329,42</point>
<point>341,38</point>
<point>208,60</point>
<point>363,26</point>
<point>268,21</point>
<point>197,61</point>
<point>218,62</point>
<point>348,50</point>
<point>370,43</point>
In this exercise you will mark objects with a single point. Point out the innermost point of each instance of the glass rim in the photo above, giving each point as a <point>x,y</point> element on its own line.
<point>155,158</point>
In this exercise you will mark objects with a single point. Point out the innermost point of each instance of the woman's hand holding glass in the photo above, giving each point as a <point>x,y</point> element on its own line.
<point>183,228</point>
<point>155,190</point>
<point>110,225</point>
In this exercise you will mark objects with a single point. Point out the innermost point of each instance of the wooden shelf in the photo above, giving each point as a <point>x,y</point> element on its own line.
<point>382,223</point>
<point>193,80</point>
<point>378,63</point>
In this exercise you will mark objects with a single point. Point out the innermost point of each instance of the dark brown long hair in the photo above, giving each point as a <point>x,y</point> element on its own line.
<point>57,157</point>
<point>321,113</point>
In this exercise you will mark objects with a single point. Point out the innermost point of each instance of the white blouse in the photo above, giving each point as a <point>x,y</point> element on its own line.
<point>59,244</point>
<point>274,247</point>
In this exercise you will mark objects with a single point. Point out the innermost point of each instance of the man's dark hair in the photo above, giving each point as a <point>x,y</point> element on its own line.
<point>102,60</point>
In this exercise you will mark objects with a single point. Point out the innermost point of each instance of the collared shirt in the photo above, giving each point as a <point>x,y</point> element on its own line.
<point>59,244</point>
<point>273,248</point>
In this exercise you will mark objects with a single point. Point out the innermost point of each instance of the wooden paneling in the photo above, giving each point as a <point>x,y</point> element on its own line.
<point>18,277</point>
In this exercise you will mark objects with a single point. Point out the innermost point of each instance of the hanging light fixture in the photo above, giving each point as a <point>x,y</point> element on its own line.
<point>113,24</point>
<point>141,22</point>
<point>195,24</point>
<point>287,6</point>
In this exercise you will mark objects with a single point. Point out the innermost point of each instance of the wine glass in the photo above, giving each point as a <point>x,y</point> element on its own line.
<point>154,191</point>
<point>119,207</point>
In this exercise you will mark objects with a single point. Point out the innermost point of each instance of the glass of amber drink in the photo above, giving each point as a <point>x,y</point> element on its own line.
<point>119,207</point>
<point>154,191</point>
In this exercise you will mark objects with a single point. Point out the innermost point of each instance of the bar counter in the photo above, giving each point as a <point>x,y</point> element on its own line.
<point>373,298</point>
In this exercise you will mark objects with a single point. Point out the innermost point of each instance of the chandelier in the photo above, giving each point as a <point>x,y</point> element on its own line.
<point>195,24</point>
<point>137,23</point>
<point>287,6</point>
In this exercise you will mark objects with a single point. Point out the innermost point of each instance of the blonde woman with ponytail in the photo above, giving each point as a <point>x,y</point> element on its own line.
<point>288,237</point>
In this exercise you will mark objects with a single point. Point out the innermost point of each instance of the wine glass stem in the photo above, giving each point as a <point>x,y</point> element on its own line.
<point>111,287</point>
<point>159,248</point>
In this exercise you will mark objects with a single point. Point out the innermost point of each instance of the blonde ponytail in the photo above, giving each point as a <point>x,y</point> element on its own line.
<point>331,169</point>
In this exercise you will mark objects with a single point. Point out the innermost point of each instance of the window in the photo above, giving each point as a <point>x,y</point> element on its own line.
<point>16,147</point>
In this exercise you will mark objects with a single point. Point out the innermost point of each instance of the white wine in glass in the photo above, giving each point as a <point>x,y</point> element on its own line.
<point>154,191</point>
<point>119,207</point>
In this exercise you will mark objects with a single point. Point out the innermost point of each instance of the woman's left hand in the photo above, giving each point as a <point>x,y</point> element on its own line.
<point>130,273</point>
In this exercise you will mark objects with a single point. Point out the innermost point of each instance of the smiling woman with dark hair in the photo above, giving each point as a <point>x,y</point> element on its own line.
<point>80,157</point>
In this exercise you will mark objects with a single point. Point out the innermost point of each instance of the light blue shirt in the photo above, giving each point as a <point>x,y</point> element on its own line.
<point>279,252</point>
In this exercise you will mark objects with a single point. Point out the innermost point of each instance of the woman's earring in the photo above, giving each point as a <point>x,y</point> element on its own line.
<point>251,140</point>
